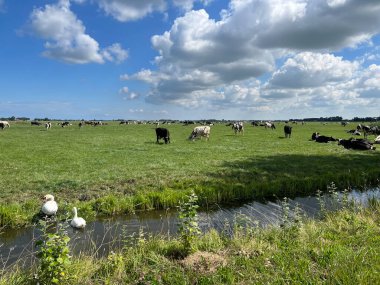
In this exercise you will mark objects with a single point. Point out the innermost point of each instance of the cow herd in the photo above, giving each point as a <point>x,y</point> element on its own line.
<point>204,131</point>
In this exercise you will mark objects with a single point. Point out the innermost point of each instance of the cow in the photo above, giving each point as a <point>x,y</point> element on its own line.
<point>269,125</point>
<point>238,127</point>
<point>47,125</point>
<point>4,124</point>
<point>35,123</point>
<point>162,133</point>
<point>287,131</point>
<point>200,131</point>
<point>322,139</point>
<point>354,132</point>
<point>358,144</point>
<point>65,124</point>
<point>377,140</point>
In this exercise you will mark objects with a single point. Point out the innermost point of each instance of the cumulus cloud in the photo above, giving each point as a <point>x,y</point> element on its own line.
<point>202,61</point>
<point>131,10</point>
<point>66,37</point>
<point>309,69</point>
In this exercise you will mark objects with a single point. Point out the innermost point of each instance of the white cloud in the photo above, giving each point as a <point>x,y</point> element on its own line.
<point>187,5</point>
<point>309,69</point>
<point>204,62</point>
<point>131,10</point>
<point>66,39</point>
<point>136,110</point>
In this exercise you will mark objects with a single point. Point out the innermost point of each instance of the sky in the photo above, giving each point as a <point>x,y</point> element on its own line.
<point>189,59</point>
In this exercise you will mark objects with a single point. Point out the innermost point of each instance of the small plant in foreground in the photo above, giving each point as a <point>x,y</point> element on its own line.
<point>188,222</point>
<point>54,255</point>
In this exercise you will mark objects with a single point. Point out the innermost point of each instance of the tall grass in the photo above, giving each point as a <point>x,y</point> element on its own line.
<point>119,168</point>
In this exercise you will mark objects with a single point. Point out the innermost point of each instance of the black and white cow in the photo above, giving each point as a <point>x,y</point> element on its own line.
<point>358,144</point>
<point>322,139</point>
<point>200,131</point>
<point>287,131</point>
<point>162,133</point>
<point>238,127</point>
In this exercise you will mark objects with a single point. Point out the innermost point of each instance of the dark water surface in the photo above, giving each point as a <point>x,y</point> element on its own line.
<point>102,236</point>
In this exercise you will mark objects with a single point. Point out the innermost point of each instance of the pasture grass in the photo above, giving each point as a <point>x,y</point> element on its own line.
<point>115,169</point>
<point>341,248</point>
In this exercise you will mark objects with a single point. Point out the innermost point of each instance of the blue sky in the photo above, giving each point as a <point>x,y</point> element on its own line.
<point>189,59</point>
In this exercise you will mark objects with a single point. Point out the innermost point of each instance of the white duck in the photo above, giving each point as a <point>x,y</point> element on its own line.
<point>50,207</point>
<point>77,222</point>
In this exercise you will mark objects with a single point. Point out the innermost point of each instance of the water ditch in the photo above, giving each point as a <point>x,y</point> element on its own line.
<point>104,235</point>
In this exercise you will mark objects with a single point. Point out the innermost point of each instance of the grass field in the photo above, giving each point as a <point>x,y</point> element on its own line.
<point>119,168</point>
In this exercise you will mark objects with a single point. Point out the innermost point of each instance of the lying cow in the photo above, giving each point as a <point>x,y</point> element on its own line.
<point>359,144</point>
<point>287,131</point>
<point>354,132</point>
<point>162,133</point>
<point>322,139</point>
<point>201,131</point>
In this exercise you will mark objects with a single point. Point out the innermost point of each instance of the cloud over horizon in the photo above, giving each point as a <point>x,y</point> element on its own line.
<point>287,46</point>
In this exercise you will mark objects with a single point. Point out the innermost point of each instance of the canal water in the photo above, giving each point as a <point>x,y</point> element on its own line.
<point>104,235</point>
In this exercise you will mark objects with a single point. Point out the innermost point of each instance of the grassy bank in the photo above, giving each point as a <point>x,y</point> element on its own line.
<point>342,248</point>
<point>119,168</point>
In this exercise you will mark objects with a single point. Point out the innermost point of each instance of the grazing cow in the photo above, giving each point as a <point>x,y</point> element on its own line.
<point>377,140</point>
<point>358,144</point>
<point>47,125</point>
<point>322,139</point>
<point>287,131</point>
<point>269,125</point>
<point>65,124</point>
<point>238,127</point>
<point>162,133</point>
<point>200,131</point>
<point>254,124</point>
<point>35,123</point>
<point>4,124</point>
<point>344,123</point>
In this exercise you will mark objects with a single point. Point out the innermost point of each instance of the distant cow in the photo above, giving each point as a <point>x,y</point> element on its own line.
<point>238,127</point>
<point>65,124</point>
<point>35,123</point>
<point>47,125</point>
<point>358,144</point>
<point>269,125</point>
<point>354,132</point>
<point>162,133</point>
<point>287,131</point>
<point>200,131</point>
<point>322,139</point>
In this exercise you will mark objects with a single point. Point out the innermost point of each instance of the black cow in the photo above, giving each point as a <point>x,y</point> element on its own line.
<point>322,139</point>
<point>287,131</point>
<point>35,123</point>
<point>162,133</point>
<point>359,144</point>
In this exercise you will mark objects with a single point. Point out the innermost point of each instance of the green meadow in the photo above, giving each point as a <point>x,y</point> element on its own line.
<point>114,169</point>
